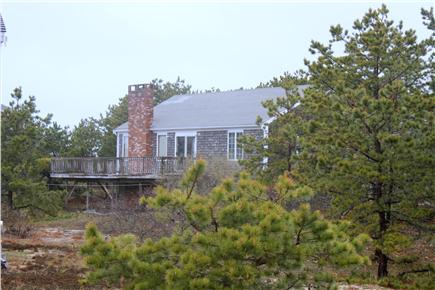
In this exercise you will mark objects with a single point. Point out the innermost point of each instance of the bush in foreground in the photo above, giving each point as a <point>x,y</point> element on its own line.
<point>236,237</point>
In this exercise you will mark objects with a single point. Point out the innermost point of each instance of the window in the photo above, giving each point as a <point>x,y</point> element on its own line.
<point>122,145</point>
<point>185,146</point>
<point>162,147</point>
<point>235,150</point>
<point>125,146</point>
<point>181,146</point>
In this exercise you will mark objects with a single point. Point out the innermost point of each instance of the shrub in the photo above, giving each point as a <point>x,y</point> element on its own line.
<point>235,237</point>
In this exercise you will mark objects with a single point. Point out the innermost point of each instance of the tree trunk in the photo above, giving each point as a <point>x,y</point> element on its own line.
<point>11,199</point>
<point>384,224</point>
<point>381,258</point>
<point>382,263</point>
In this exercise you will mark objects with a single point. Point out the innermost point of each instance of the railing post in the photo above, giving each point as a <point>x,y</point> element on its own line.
<point>162,165</point>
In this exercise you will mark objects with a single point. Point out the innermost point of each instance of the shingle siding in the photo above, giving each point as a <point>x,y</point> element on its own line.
<point>212,144</point>
<point>171,144</point>
<point>209,144</point>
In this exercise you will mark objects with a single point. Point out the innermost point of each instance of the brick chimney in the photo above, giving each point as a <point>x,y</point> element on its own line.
<point>140,119</point>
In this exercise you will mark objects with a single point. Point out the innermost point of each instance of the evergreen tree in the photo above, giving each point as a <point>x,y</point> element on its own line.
<point>287,80</point>
<point>281,145</point>
<point>115,116</point>
<point>365,130</point>
<point>236,237</point>
<point>369,141</point>
<point>56,140</point>
<point>25,156</point>
<point>85,139</point>
<point>164,90</point>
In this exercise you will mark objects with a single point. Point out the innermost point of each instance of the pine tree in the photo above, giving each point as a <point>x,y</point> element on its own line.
<point>85,140</point>
<point>281,145</point>
<point>369,141</point>
<point>25,156</point>
<point>236,237</point>
<point>365,131</point>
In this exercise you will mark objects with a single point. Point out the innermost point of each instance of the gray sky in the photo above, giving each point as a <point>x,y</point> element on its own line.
<point>79,58</point>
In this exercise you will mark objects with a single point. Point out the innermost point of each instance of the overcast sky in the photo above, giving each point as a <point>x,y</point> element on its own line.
<point>79,58</point>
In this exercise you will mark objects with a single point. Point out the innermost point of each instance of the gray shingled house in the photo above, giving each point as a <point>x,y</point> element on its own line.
<point>152,144</point>
<point>205,125</point>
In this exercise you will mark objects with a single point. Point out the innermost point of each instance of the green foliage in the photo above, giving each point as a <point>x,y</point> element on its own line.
<point>236,237</point>
<point>364,130</point>
<point>85,139</point>
<point>370,133</point>
<point>25,149</point>
<point>164,90</point>
<point>287,80</point>
<point>282,144</point>
<point>56,140</point>
<point>114,116</point>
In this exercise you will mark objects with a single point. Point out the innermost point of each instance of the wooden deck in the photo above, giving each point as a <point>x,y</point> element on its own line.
<point>116,168</point>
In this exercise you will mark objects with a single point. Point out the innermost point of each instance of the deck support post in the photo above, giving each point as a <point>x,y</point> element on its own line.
<point>116,191</point>
<point>107,192</point>
<point>87,197</point>
<point>68,195</point>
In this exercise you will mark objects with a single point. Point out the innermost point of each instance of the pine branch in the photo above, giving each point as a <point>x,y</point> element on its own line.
<point>403,218</point>
<point>423,270</point>
<point>213,220</point>
<point>36,207</point>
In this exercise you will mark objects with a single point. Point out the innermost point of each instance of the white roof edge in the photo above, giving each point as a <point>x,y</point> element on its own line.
<point>124,130</point>
<point>121,128</point>
<point>206,128</point>
<point>248,126</point>
<point>271,119</point>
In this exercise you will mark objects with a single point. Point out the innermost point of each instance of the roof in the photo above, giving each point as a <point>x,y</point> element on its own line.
<point>122,127</point>
<point>238,108</point>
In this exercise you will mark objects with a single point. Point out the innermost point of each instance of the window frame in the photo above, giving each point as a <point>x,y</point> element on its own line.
<point>125,145</point>
<point>234,157</point>
<point>121,144</point>
<point>185,134</point>
<point>158,144</point>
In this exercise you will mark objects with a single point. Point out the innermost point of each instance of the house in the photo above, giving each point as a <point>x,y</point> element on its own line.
<point>152,143</point>
<point>205,125</point>
<point>154,140</point>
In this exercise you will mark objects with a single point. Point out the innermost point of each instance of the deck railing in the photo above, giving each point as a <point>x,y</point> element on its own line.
<point>123,166</point>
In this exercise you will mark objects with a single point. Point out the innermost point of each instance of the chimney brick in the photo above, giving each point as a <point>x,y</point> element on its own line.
<point>140,119</point>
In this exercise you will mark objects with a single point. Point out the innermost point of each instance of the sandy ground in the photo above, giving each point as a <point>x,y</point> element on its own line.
<point>48,259</point>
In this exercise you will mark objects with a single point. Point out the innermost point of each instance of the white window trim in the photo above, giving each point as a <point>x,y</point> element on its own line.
<point>265,135</point>
<point>157,143</point>
<point>235,145</point>
<point>124,134</point>
<point>185,134</point>
<point>125,148</point>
